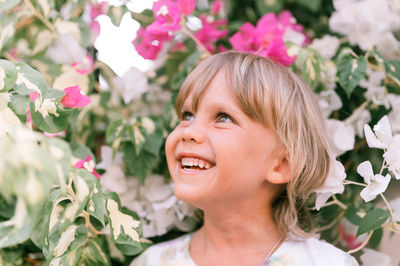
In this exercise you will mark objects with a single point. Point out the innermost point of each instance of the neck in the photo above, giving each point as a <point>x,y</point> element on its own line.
<point>237,233</point>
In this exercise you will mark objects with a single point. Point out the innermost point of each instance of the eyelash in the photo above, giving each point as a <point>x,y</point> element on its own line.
<point>218,116</point>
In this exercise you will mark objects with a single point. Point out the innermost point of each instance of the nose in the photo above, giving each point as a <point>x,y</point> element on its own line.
<point>195,132</point>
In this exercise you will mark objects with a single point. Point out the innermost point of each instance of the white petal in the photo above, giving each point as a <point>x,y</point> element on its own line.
<point>365,170</point>
<point>375,188</point>
<point>383,131</point>
<point>372,141</point>
<point>322,199</point>
<point>372,257</point>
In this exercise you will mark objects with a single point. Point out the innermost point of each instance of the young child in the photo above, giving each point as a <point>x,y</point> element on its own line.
<point>250,147</point>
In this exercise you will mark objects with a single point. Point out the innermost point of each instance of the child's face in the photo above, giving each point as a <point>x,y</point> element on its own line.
<point>234,153</point>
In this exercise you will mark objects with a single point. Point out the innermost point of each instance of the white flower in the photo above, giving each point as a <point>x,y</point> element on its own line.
<point>382,138</point>
<point>332,185</point>
<point>5,98</point>
<point>114,177</point>
<point>57,53</point>
<point>329,101</point>
<point>328,75</point>
<point>372,257</point>
<point>389,46</point>
<point>363,22</point>
<point>327,46</point>
<point>363,118</point>
<point>392,157</point>
<point>394,115</point>
<point>132,84</point>
<point>376,184</point>
<point>342,135</point>
<point>294,36</point>
<point>395,205</point>
<point>375,92</point>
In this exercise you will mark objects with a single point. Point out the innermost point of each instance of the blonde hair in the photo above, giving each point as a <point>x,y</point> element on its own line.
<point>275,96</point>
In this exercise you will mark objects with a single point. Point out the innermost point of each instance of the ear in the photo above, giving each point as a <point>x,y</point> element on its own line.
<point>280,171</point>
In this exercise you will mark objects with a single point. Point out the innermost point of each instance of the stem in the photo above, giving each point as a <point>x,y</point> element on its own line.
<point>339,203</point>
<point>348,182</point>
<point>389,208</point>
<point>362,245</point>
<point>341,214</point>
<point>199,44</point>
<point>88,224</point>
<point>141,17</point>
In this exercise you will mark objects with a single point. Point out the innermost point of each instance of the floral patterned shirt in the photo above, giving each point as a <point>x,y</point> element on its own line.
<point>305,252</point>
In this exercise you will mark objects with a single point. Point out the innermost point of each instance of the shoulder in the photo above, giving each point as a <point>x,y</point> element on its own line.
<point>173,252</point>
<point>311,251</point>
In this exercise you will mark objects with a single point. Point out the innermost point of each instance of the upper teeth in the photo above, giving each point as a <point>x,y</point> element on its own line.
<point>195,162</point>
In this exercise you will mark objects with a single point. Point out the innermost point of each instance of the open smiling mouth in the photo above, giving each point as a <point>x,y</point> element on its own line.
<point>195,164</point>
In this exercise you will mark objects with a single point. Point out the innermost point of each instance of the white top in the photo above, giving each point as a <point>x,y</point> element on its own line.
<point>306,252</point>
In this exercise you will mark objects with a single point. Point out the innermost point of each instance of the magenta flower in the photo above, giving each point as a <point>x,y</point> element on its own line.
<point>268,37</point>
<point>186,6</point>
<point>33,96</point>
<point>211,31</point>
<point>87,164</point>
<point>216,7</point>
<point>85,66</point>
<point>99,9</point>
<point>74,98</point>
<point>167,13</point>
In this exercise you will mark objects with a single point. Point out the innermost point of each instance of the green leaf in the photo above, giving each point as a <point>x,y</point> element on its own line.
<point>351,215</point>
<point>19,104</point>
<point>114,130</point>
<point>192,60</point>
<point>264,6</point>
<point>51,123</point>
<point>372,220</point>
<point>308,62</point>
<point>4,5</point>
<point>61,244</point>
<point>138,165</point>
<point>81,151</point>
<point>95,205</point>
<point>350,71</point>
<point>312,5</point>
<point>125,227</point>
<point>376,238</point>
<point>393,67</point>
<point>32,79</point>
<point>54,94</point>
<point>93,254</point>
<point>8,75</point>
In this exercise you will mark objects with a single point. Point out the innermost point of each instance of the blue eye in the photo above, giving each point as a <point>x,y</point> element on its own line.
<point>186,116</point>
<point>224,118</point>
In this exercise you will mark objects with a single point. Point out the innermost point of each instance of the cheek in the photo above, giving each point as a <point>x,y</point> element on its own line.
<point>170,146</point>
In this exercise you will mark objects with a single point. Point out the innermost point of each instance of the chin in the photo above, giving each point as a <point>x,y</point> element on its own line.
<point>188,195</point>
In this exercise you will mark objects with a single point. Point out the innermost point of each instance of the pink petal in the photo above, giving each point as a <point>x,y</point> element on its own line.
<point>167,12</point>
<point>74,99</point>
<point>33,96</point>
<point>216,6</point>
<point>187,6</point>
<point>99,9</point>
<point>85,66</point>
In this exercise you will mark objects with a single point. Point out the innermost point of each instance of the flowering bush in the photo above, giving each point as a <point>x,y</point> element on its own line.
<point>62,110</point>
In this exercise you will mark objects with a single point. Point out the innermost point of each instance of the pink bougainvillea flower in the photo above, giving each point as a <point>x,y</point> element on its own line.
<point>74,98</point>
<point>347,233</point>
<point>87,164</point>
<point>85,66</point>
<point>33,96</point>
<point>244,39</point>
<point>267,37</point>
<point>94,30</point>
<point>277,51</point>
<point>211,31</point>
<point>99,9</point>
<point>149,43</point>
<point>216,7</point>
<point>157,31</point>
<point>187,6</point>
<point>167,13</point>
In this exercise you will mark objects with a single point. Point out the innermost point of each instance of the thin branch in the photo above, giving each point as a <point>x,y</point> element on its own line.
<point>356,113</point>
<point>89,224</point>
<point>389,208</point>
<point>50,27</point>
<point>335,221</point>
<point>348,182</point>
<point>339,203</point>
<point>191,36</point>
<point>362,245</point>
